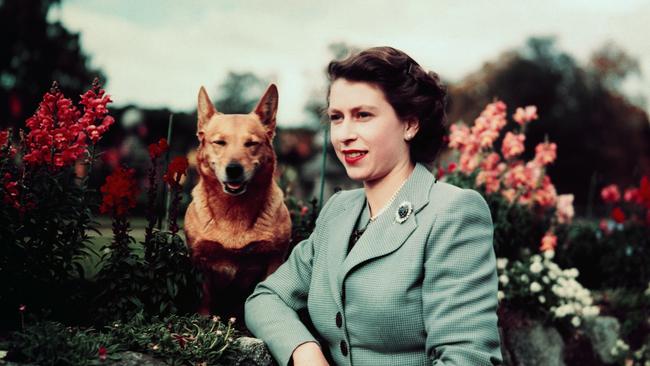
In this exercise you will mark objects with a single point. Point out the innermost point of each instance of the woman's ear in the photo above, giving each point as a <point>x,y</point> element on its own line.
<point>412,128</point>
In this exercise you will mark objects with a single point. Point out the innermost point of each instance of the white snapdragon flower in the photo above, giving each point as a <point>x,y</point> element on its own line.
<point>524,278</point>
<point>536,267</point>
<point>590,311</point>
<point>536,258</point>
<point>502,263</point>
<point>504,279</point>
<point>549,254</point>
<point>535,287</point>
<point>546,280</point>
<point>575,321</point>
<point>500,295</point>
<point>571,272</point>
<point>541,299</point>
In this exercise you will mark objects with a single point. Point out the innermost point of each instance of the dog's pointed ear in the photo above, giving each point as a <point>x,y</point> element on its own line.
<point>205,111</point>
<point>266,109</point>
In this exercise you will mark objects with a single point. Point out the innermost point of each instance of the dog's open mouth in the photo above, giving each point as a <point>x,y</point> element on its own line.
<point>235,188</point>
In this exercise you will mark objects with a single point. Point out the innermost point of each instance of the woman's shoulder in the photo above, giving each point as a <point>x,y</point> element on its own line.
<point>448,197</point>
<point>342,199</point>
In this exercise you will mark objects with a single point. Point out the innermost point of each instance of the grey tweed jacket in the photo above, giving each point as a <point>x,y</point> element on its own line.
<point>420,292</point>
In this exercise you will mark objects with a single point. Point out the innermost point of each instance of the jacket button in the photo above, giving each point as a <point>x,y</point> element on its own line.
<point>344,348</point>
<point>339,320</point>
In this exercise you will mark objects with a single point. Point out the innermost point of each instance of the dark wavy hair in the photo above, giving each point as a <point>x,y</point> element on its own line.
<point>411,91</point>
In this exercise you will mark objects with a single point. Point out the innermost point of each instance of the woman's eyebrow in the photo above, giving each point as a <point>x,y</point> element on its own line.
<point>354,109</point>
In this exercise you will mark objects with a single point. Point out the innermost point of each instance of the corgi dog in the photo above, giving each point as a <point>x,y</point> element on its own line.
<point>237,226</point>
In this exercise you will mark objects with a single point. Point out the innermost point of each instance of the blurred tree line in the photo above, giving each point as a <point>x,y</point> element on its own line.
<point>34,52</point>
<point>602,137</point>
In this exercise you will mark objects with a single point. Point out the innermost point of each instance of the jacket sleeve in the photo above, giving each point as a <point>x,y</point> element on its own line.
<point>459,291</point>
<point>271,310</point>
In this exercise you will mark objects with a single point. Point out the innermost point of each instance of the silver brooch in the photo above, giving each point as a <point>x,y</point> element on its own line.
<point>403,211</point>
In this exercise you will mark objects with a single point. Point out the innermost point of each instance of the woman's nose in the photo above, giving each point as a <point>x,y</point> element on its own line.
<point>347,132</point>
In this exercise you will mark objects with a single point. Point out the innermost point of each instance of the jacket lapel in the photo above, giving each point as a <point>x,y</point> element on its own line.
<point>382,236</point>
<point>339,231</point>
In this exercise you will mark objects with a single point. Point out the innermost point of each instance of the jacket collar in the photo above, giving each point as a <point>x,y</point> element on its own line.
<point>383,236</point>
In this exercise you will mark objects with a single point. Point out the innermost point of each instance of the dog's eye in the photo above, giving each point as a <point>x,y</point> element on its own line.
<point>251,143</point>
<point>219,142</point>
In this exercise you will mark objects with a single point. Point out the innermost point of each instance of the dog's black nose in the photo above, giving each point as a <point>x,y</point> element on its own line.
<point>234,171</point>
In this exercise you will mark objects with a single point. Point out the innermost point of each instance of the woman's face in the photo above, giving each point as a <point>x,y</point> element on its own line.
<point>366,133</point>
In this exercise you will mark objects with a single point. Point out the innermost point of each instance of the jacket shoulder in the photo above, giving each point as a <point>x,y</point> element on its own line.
<point>449,197</point>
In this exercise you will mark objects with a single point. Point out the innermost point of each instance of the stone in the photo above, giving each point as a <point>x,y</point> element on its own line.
<point>251,352</point>
<point>603,332</point>
<point>129,358</point>
<point>535,345</point>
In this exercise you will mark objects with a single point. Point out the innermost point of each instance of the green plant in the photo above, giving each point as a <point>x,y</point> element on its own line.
<point>47,204</point>
<point>177,340</point>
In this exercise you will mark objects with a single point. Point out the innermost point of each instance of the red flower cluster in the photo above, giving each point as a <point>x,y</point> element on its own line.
<point>59,131</point>
<point>119,192</point>
<point>11,192</point>
<point>156,150</point>
<point>5,144</point>
<point>637,200</point>
<point>177,168</point>
<point>102,353</point>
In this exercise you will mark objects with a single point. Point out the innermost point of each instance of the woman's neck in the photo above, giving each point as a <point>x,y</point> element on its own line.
<point>380,191</point>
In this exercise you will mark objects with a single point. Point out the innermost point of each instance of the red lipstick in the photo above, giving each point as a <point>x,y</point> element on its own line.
<point>353,159</point>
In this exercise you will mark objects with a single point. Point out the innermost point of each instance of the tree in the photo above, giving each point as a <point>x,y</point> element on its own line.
<point>36,52</point>
<point>240,92</point>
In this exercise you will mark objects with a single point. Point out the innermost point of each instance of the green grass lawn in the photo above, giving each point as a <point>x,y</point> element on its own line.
<point>138,224</point>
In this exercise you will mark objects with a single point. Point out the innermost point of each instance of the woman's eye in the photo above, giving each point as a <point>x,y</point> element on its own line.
<point>251,143</point>
<point>219,142</point>
<point>335,117</point>
<point>363,115</point>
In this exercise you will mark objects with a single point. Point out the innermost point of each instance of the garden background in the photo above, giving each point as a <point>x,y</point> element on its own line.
<point>548,120</point>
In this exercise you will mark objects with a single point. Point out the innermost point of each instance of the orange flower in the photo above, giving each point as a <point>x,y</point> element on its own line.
<point>513,145</point>
<point>545,153</point>
<point>549,242</point>
<point>525,115</point>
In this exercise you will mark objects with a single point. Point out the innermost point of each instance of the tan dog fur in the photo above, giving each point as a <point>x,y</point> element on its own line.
<point>236,240</point>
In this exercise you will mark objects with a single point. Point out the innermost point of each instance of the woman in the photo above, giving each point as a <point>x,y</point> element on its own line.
<point>401,271</point>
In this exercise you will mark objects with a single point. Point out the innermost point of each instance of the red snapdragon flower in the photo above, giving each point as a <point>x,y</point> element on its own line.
<point>102,352</point>
<point>58,131</point>
<point>119,192</point>
<point>177,168</point>
<point>618,215</point>
<point>157,149</point>
<point>610,194</point>
<point>644,191</point>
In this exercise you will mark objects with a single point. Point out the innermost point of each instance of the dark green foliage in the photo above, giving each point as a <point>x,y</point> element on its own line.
<point>174,339</point>
<point>618,259</point>
<point>165,284</point>
<point>43,245</point>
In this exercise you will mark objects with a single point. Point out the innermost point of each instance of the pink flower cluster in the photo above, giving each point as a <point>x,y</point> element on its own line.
<point>525,183</point>
<point>59,132</point>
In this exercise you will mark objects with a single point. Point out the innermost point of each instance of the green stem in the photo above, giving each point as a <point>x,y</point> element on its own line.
<point>166,191</point>
<point>322,166</point>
